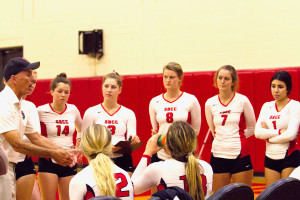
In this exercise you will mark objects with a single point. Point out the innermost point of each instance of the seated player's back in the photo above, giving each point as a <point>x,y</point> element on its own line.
<point>83,185</point>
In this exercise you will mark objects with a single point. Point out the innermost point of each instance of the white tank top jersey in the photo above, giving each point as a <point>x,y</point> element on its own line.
<point>83,185</point>
<point>288,118</point>
<point>163,112</point>
<point>59,127</point>
<point>33,116</point>
<point>122,123</point>
<point>168,173</point>
<point>230,124</point>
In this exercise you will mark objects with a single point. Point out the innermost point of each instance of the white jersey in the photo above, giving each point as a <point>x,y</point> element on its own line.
<point>163,112</point>
<point>13,116</point>
<point>59,127</point>
<point>168,173</point>
<point>122,123</point>
<point>83,185</point>
<point>296,173</point>
<point>287,118</point>
<point>33,116</point>
<point>227,123</point>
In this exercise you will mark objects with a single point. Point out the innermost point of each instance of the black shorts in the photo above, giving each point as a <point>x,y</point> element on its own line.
<point>24,168</point>
<point>46,165</point>
<point>124,162</point>
<point>232,166</point>
<point>291,161</point>
<point>155,158</point>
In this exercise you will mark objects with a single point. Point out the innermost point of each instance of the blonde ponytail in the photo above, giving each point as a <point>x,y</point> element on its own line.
<point>103,171</point>
<point>193,177</point>
<point>96,146</point>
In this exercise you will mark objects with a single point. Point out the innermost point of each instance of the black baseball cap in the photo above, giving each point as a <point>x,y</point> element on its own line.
<point>16,65</point>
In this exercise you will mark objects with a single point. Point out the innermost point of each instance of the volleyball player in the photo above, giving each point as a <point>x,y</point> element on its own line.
<point>120,120</point>
<point>102,176</point>
<point>58,122</point>
<point>182,169</point>
<point>225,114</point>
<point>173,105</point>
<point>278,124</point>
<point>26,184</point>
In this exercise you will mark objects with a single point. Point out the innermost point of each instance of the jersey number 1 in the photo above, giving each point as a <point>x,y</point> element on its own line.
<point>65,131</point>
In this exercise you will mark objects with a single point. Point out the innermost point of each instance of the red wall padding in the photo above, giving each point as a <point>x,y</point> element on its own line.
<point>138,90</point>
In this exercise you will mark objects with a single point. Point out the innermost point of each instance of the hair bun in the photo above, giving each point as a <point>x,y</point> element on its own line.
<point>63,74</point>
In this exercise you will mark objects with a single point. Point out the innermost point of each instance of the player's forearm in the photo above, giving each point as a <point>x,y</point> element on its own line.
<point>42,141</point>
<point>32,150</point>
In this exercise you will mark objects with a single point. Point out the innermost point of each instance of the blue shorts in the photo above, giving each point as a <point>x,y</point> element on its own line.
<point>291,161</point>
<point>46,165</point>
<point>232,166</point>
<point>24,168</point>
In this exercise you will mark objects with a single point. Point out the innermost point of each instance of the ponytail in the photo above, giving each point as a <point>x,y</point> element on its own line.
<point>103,172</point>
<point>193,177</point>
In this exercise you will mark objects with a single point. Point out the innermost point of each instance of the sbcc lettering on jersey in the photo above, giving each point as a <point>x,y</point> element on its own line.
<point>225,112</point>
<point>111,121</point>
<point>62,122</point>
<point>275,117</point>
<point>171,109</point>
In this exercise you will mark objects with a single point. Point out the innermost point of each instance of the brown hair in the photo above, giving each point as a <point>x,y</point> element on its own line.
<point>182,143</point>
<point>234,76</point>
<point>113,75</point>
<point>60,78</point>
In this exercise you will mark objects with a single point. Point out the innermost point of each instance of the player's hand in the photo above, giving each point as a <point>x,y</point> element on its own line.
<point>264,125</point>
<point>152,147</point>
<point>135,139</point>
<point>74,153</point>
<point>282,131</point>
<point>114,148</point>
<point>153,132</point>
<point>62,157</point>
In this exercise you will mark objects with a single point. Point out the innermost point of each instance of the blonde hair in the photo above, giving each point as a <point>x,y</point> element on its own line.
<point>182,143</point>
<point>96,146</point>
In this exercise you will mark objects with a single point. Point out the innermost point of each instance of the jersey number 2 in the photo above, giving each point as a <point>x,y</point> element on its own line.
<point>122,184</point>
<point>65,131</point>
<point>169,117</point>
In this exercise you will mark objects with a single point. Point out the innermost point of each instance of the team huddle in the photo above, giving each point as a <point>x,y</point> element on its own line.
<point>47,132</point>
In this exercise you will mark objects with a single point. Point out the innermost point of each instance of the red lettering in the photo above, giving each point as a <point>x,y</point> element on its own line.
<point>275,117</point>
<point>111,121</point>
<point>171,109</point>
<point>62,122</point>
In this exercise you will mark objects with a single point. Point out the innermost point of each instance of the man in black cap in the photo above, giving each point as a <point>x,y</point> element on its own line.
<point>14,123</point>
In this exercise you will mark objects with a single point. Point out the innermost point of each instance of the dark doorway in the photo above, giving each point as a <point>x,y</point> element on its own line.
<point>5,55</point>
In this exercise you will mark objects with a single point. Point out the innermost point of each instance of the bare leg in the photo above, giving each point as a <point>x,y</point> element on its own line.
<point>25,186</point>
<point>48,184</point>
<point>220,180</point>
<point>36,195</point>
<point>286,172</point>
<point>63,187</point>
<point>243,177</point>
<point>271,176</point>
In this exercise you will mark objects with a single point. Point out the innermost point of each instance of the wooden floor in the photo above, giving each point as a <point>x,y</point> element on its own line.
<point>258,185</point>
